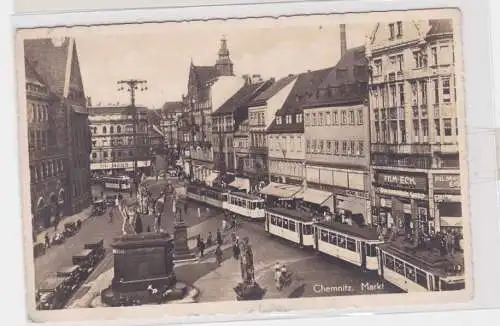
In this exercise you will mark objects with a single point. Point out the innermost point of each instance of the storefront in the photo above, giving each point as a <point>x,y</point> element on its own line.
<point>401,202</point>
<point>447,202</point>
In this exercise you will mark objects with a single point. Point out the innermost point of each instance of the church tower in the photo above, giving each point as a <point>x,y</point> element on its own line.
<point>224,65</point>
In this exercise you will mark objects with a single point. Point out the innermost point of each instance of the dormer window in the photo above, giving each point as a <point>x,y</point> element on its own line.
<point>298,118</point>
<point>288,119</point>
<point>278,120</point>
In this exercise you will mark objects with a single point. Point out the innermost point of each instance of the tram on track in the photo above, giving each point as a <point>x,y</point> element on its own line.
<point>246,205</point>
<point>291,225</point>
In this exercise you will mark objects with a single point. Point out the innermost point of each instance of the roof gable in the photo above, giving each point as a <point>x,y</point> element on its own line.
<point>273,90</point>
<point>440,27</point>
<point>242,98</point>
<point>411,31</point>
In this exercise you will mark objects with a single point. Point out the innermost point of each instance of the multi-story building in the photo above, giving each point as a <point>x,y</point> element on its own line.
<point>414,129</point>
<point>285,136</point>
<point>226,119</point>
<point>59,140</point>
<point>208,87</point>
<point>115,146</point>
<point>261,112</point>
<point>170,115</point>
<point>336,129</point>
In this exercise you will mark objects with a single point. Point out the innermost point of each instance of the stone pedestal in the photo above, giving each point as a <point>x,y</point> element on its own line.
<point>140,261</point>
<point>181,248</point>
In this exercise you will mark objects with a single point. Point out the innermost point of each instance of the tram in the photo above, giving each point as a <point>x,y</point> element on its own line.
<point>246,205</point>
<point>120,183</point>
<point>211,196</point>
<point>351,243</point>
<point>412,273</point>
<point>289,224</point>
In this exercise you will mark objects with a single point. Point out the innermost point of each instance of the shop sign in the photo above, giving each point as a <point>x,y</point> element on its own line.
<point>447,198</point>
<point>446,182</point>
<point>400,181</point>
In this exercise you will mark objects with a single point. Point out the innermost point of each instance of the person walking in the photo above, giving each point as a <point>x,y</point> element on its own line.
<point>224,225</point>
<point>209,239</point>
<point>219,238</point>
<point>110,216</point>
<point>218,255</point>
<point>277,275</point>
<point>202,248</point>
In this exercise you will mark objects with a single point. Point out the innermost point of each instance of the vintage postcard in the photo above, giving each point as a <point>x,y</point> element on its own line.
<point>244,165</point>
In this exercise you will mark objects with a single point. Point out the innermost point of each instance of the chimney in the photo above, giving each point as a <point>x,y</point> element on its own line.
<point>89,101</point>
<point>247,79</point>
<point>343,42</point>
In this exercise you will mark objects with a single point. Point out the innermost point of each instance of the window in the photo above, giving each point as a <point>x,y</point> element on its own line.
<point>438,127</point>
<point>105,154</point>
<point>393,95</point>
<point>447,127</point>
<point>336,144</point>
<point>400,29</point>
<point>351,117</point>
<point>119,129</point>
<point>344,117</point>
<point>288,119</point>
<point>445,54</point>
<point>392,61</point>
<point>446,90</point>
<point>307,120</point>
<point>425,128</point>
<point>377,67</point>
<point>414,93</point>
<point>328,146</point>
<point>315,119</point>
<point>361,148</point>
<point>401,95</point>
<point>111,130</point>
<point>104,130</point>
<point>400,62</point>
<point>320,119</point>
<point>278,120</point>
<point>335,118</point>
<point>391,31</point>
<point>351,148</point>
<point>456,126</point>
<point>416,130</point>
<point>344,147</point>
<point>308,146</point>
<point>360,117</point>
<point>328,118</point>
<point>420,60</point>
<point>434,56</point>
<point>423,92</point>
<point>94,155</point>
<point>298,118</point>
<point>436,91</point>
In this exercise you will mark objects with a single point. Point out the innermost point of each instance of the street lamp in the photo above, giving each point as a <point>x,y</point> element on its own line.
<point>131,86</point>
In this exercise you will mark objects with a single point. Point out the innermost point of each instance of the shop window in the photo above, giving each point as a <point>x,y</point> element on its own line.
<point>450,209</point>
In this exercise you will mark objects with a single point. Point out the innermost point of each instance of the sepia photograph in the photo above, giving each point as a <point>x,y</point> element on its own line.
<point>309,161</point>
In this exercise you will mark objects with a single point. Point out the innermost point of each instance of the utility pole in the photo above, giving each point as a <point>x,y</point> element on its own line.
<point>131,86</point>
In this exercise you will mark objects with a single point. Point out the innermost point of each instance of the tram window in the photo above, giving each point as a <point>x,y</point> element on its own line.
<point>421,278</point>
<point>341,241</point>
<point>307,229</point>
<point>291,226</point>
<point>273,219</point>
<point>399,267</point>
<point>285,223</point>
<point>410,272</point>
<point>324,236</point>
<point>260,205</point>
<point>332,238</point>
<point>436,283</point>
<point>351,244</point>
<point>389,262</point>
<point>371,250</point>
<point>279,222</point>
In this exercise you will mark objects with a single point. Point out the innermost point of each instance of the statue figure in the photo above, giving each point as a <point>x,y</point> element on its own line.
<point>246,262</point>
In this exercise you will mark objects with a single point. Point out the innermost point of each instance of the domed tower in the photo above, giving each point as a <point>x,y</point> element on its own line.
<point>224,65</point>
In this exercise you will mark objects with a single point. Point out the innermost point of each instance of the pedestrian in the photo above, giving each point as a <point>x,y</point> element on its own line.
<point>218,255</point>
<point>224,225</point>
<point>277,276</point>
<point>236,248</point>
<point>209,239</point>
<point>157,223</point>
<point>219,237</point>
<point>450,243</point>
<point>47,240</point>
<point>186,207</point>
<point>138,227</point>
<point>199,212</point>
<point>202,248</point>
<point>110,214</point>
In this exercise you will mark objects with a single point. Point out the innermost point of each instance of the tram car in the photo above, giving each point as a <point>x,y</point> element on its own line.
<point>210,196</point>
<point>352,243</point>
<point>246,205</point>
<point>293,225</point>
<point>412,272</point>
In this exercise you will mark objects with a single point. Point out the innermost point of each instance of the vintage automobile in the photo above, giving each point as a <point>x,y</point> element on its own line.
<point>52,294</point>
<point>99,207</point>
<point>110,200</point>
<point>85,260</point>
<point>97,250</point>
<point>70,229</point>
<point>73,278</point>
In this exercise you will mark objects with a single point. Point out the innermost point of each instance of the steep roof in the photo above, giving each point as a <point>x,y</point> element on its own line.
<point>303,89</point>
<point>345,83</point>
<point>204,74</point>
<point>172,107</point>
<point>440,26</point>
<point>273,90</point>
<point>242,97</point>
<point>50,58</point>
<point>32,76</point>
<point>114,110</point>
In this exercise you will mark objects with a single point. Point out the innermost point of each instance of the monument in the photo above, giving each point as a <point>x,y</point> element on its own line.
<point>181,251</point>
<point>248,289</point>
<point>141,262</point>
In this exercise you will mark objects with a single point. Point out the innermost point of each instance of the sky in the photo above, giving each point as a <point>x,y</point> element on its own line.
<point>161,53</point>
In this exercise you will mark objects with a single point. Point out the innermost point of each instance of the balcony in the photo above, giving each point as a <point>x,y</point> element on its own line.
<point>445,148</point>
<point>401,148</point>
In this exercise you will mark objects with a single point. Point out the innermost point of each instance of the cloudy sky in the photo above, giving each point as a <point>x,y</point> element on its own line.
<point>161,53</point>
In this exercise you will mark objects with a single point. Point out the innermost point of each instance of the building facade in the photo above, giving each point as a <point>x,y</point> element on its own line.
<point>115,147</point>
<point>414,130</point>
<point>336,129</point>
<point>59,139</point>
<point>285,137</point>
<point>261,112</point>
<point>170,114</point>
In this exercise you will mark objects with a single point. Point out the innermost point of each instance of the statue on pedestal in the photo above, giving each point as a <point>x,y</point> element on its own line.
<point>248,289</point>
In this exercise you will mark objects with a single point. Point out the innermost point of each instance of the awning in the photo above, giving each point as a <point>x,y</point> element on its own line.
<point>282,190</point>
<point>316,196</point>
<point>241,183</point>
<point>211,177</point>
<point>352,204</point>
